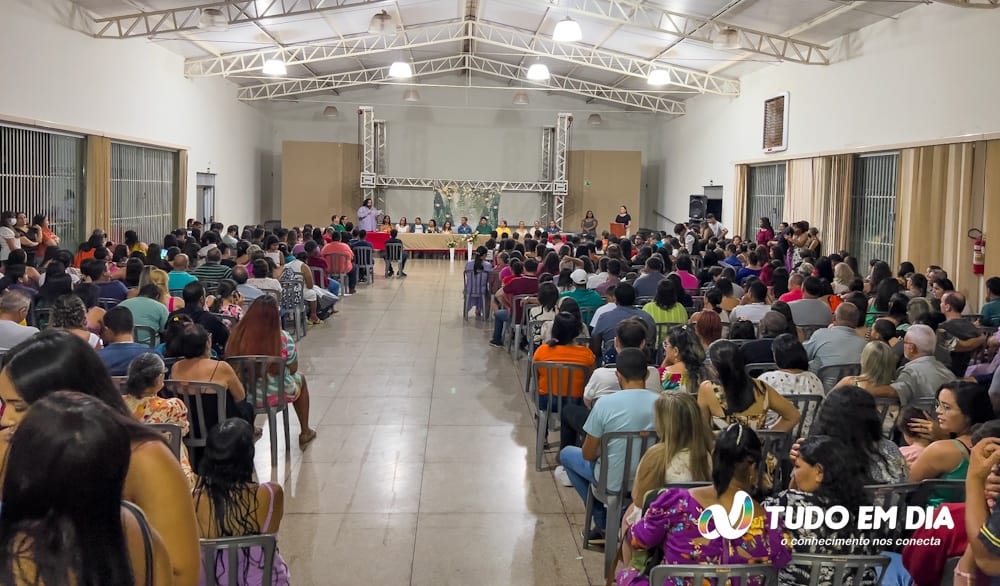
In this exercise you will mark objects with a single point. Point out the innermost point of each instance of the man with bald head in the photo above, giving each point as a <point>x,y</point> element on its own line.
<point>961,336</point>
<point>179,275</point>
<point>839,343</point>
<point>923,375</point>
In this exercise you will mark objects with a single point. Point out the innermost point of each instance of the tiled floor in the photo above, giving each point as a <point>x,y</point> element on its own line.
<point>423,470</point>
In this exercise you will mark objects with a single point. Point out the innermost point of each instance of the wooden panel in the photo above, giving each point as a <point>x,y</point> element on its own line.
<point>602,181</point>
<point>311,181</point>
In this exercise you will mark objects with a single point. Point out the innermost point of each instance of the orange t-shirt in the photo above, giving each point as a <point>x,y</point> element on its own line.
<point>566,354</point>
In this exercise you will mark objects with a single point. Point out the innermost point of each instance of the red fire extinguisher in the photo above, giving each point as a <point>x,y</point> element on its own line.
<point>978,251</point>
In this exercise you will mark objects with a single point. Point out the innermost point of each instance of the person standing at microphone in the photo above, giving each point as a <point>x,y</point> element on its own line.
<point>367,215</point>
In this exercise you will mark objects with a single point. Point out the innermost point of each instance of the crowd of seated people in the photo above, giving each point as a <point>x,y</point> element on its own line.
<point>153,316</point>
<point>898,356</point>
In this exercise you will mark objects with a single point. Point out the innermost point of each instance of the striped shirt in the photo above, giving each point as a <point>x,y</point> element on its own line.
<point>212,272</point>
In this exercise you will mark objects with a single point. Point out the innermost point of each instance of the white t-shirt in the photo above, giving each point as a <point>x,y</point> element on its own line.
<point>601,311</point>
<point>12,334</point>
<point>5,233</point>
<point>603,381</point>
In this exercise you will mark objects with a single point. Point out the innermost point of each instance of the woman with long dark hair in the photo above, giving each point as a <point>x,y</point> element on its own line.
<point>256,335</point>
<point>55,360</point>
<point>63,520</point>
<point>882,460</point>
<point>683,366</point>
<point>765,233</point>
<point>671,521</point>
<point>826,474</point>
<point>739,398</point>
<point>228,503</point>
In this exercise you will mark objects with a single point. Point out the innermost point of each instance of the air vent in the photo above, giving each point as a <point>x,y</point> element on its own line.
<point>776,123</point>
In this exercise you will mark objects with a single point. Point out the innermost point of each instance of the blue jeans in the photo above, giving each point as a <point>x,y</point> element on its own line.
<point>502,316</point>
<point>581,474</point>
<point>333,286</point>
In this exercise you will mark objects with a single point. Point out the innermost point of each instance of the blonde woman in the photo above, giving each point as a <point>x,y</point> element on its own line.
<point>521,229</point>
<point>684,453</point>
<point>403,226</point>
<point>160,278</point>
<point>843,275</point>
<point>878,367</point>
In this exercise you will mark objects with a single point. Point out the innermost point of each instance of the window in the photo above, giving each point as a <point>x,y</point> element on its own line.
<point>41,172</point>
<point>143,191</point>
<point>765,196</point>
<point>873,208</point>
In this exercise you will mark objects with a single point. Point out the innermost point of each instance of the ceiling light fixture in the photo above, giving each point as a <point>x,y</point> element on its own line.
<point>567,31</point>
<point>400,70</point>
<point>658,77</point>
<point>212,19</point>
<point>331,112</point>
<point>274,67</point>
<point>382,24</point>
<point>538,72</point>
<point>595,119</point>
<point>727,39</point>
<point>521,98</point>
<point>411,96</point>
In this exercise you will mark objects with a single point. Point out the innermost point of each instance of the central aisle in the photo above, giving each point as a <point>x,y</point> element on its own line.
<point>421,471</point>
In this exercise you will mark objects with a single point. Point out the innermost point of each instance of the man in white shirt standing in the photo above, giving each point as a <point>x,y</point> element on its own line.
<point>718,230</point>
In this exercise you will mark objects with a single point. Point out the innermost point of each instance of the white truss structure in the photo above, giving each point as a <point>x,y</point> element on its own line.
<point>482,32</point>
<point>291,87</point>
<point>372,134</point>
<point>499,69</point>
<point>328,49</point>
<point>637,14</point>
<point>144,24</point>
<point>971,3</point>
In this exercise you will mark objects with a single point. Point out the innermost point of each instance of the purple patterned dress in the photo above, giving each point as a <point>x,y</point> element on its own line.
<point>672,523</point>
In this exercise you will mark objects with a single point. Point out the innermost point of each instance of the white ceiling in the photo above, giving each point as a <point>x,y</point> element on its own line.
<point>811,21</point>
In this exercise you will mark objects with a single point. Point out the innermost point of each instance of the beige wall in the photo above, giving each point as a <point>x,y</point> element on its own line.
<point>602,181</point>
<point>318,179</point>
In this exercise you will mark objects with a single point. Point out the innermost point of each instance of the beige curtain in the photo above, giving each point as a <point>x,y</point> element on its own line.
<point>740,200</point>
<point>800,191</point>
<point>990,220</point>
<point>934,210</point>
<point>837,211</point>
<point>180,204</point>
<point>98,184</point>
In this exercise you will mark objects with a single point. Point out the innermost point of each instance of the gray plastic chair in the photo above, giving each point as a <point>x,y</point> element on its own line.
<point>951,491</point>
<point>194,394</point>
<point>172,434</point>
<point>211,286</point>
<point>888,410</point>
<point>842,569</point>
<point>807,330</point>
<point>831,374</point>
<point>365,259</point>
<point>533,326</point>
<point>476,285</point>
<point>338,263</point>
<point>522,327</point>
<point>558,378</point>
<point>808,406</point>
<point>293,304</point>
<point>636,444</point>
<point>778,444</point>
<point>755,369</point>
<point>888,496</point>
<point>255,374</point>
<point>393,253</point>
<point>723,575</point>
<point>108,303</point>
<point>235,551</point>
<point>119,382</point>
<point>146,335</point>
